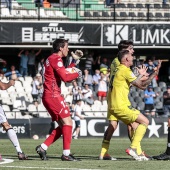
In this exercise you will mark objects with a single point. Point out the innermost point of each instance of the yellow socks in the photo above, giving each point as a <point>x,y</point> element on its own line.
<point>105,147</point>
<point>139,133</point>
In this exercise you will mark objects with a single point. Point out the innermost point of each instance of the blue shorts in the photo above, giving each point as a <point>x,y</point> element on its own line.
<point>77,122</point>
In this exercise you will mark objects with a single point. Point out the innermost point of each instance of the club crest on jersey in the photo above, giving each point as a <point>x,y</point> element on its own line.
<point>66,111</point>
<point>60,64</point>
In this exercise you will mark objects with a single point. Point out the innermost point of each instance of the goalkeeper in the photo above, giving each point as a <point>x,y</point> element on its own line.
<point>54,73</point>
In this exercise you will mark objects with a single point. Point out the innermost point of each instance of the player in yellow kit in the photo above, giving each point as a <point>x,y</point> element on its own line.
<point>120,106</point>
<point>123,45</point>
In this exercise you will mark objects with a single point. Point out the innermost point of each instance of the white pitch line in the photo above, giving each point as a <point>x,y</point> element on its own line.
<point>25,167</point>
<point>6,161</point>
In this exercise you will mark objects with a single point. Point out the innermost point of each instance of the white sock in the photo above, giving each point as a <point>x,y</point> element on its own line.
<point>44,146</point>
<point>66,152</point>
<point>13,138</point>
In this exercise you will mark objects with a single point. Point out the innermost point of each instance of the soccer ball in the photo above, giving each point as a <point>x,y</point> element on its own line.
<point>35,137</point>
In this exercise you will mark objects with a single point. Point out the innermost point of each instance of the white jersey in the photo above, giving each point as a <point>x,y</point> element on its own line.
<point>78,110</point>
<point>34,87</point>
<point>102,85</point>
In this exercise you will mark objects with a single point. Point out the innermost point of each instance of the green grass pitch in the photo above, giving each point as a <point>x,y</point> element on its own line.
<point>87,149</point>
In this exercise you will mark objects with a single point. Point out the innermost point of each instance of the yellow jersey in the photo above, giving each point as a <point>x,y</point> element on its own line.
<point>120,87</point>
<point>115,63</point>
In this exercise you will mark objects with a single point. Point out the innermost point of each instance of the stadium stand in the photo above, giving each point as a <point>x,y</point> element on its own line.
<point>89,10</point>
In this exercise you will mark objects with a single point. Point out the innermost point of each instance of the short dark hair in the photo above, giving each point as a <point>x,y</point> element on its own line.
<point>124,44</point>
<point>59,43</point>
<point>121,54</point>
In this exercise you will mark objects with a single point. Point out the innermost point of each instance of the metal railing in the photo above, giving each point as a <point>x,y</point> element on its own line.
<point>86,11</point>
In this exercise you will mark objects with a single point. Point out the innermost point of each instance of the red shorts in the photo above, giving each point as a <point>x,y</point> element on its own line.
<point>56,107</point>
<point>101,93</point>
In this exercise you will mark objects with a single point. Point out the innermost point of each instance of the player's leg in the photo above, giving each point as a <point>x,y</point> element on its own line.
<point>166,154</point>
<point>106,140</point>
<point>77,123</point>
<point>138,135</point>
<point>14,139</point>
<point>11,134</point>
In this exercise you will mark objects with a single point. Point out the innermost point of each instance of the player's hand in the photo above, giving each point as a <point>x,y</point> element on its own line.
<point>76,56</point>
<point>142,69</point>
<point>158,66</point>
<point>78,71</point>
<point>12,82</point>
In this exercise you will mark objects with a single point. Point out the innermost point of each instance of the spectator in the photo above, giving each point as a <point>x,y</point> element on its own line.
<point>46,4</point>
<point>31,62</point>
<point>136,63</point>
<point>13,74</point>
<point>23,62</point>
<point>88,79</point>
<point>36,87</point>
<point>149,101</point>
<point>89,62</point>
<point>150,70</point>
<point>40,66</point>
<point>88,95</point>
<point>76,92</point>
<point>166,102</point>
<point>77,118</point>
<point>9,5</point>
<point>102,90</point>
<point>96,78</point>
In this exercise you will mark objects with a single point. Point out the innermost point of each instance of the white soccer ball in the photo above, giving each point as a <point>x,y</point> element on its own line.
<point>35,137</point>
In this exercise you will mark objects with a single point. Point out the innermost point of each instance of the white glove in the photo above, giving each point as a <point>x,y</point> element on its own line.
<point>76,56</point>
<point>78,71</point>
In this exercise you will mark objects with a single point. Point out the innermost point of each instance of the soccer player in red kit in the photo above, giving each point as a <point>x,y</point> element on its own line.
<point>54,73</point>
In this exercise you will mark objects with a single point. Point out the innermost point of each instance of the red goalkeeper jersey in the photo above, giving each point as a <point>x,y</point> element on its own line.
<point>54,73</point>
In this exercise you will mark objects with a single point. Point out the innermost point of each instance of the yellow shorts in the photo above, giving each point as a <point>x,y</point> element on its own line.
<point>125,114</point>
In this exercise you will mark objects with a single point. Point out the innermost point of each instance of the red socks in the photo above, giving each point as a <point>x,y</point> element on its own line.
<point>55,134</point>
<point>67,136</point>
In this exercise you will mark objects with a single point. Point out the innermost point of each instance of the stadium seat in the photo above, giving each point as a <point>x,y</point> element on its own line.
<point>132,15</point>
<point>96,14</point>
<point>134,94</point>
<point>162,84</point>
<point>141,106</point>
<point>138,99</point>
<point>134,105</point>
<point>114,13</point>
<point>123,14</point>
<point>158,15</point>
<point>158,105</point>
<point>165,6</point>
<point>157,89</point>
<point>120,5</point>
<point>158,6</point>
<point>166,15</point>
<point>139,5</point>
<point>6,108</point>
<point>105,14</point>
<point>129,5</point>
<point>87,14</point>
<point>141,15</point>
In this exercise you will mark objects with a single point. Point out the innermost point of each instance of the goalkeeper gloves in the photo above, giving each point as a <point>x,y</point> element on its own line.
<point>76,56</point>
<point>78,71</point>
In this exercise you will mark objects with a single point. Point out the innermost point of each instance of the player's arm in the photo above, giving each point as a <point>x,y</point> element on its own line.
<point>62,72</point>
<point>4,86</point>
<point>142,84</point>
